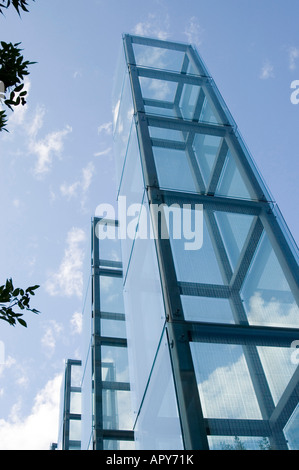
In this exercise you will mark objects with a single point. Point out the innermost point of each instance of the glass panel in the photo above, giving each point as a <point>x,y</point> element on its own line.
<point>113,328</point>
<point>231,182</point>
<point>111,294</point>
<point>113,444</point>
<point>191,101</point>
<point>76,375</point>
<point>110,249</point>
<point>291,430</point>
<point>75,403</point>
<point>206,309</point>
<point>158,425</point>
<point>199,265</point>
<point>238,443</point>
<point>278,368</point>
<point>224,382</point>
<point>117,411</point>
<point>173,169</point>
<point>207,114</point>
<point>206,148</point>
<point>75,430</point>
<point>130,198</point>
<point>123,126</point>
<point>144,313</point>
<point>166,134</point>
<point>156,89</point>
<point>160,110</point>
<point>234,229</point>
<point>158,57</point>
<point>115,364</point>
<point>267,297</point>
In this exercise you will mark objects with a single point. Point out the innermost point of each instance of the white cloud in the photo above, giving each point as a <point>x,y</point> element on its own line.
<point>46,149</point>
<point>293,56</point>
<point>82,185</point>
<point>267,71</point>
<point>68,280</point>
<point>272,313</point>
<point>48,340</point>
<point>38,430</point>
<point>106,128</point>
<point>76,323</point>
<point>153,27</point>
<point>194,31</point>
<point>103,152</point>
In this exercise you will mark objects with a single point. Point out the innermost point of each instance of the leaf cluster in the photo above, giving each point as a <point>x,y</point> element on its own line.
<point>13,69</point>
<point>10,298</point>
<point>17,4</point>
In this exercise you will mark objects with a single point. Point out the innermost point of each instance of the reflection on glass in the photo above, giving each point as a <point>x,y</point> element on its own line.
<point>224,382</point>
<point>114,364</point>
<point>117,413</point>
<point>159,58</point>
<point>238,443</point>
<point>266,293</point>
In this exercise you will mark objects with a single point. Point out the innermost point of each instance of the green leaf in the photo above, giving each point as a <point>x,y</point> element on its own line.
<point>22,322</point>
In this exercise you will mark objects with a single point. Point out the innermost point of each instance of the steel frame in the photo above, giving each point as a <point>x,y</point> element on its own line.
<point>114,269</point>
<point>196,428</point>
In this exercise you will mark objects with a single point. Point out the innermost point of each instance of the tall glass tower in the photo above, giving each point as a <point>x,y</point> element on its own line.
<point>197,319</point>
<point>212,329</point>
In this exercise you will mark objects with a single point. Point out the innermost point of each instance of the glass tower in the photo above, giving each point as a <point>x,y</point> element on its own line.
<point>193,293</point>
<point>212,329</point>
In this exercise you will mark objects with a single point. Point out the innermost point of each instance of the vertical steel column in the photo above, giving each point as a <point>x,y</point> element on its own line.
<point>96,347</point>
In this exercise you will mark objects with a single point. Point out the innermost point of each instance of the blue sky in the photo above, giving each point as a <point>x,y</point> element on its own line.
<point>56,164</point>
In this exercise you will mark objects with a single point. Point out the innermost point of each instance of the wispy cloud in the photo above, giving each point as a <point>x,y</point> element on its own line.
<point>45,148</point>
<point>194,31</point>
<point>293,56</point>
<point>267,71</point>
<point>30,433</point>
<point>106,128</point>
<point>107,151</point>
<point>76,323</point>
<point>48,340</point>
<point>80,186</point>
<point>153,26</point>
<point>68,279</point>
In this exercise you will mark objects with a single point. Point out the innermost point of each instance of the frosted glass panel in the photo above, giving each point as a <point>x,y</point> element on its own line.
<point>173,169</point>
<point>206,309</point>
